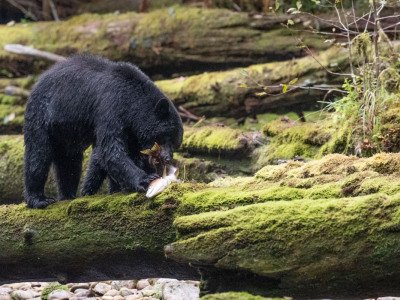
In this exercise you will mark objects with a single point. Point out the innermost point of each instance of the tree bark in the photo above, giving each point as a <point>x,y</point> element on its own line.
<point>162,42</point>
<point>272,230</point>
<point>258,88</point>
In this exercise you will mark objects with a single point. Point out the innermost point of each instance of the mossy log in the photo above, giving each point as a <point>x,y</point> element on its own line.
<point>226,93</point>
<point>166,41</point>
<point>215,145</point>
<point>241,92</point>
<point>303,229</point>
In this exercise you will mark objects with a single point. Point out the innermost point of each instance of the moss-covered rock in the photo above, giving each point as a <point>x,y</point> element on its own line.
<point>219,141</point>
<point>161,42</point>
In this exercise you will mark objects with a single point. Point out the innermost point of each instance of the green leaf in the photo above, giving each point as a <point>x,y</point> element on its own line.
<point>260,94</point>
<point>290,22</point>
<point>299,5</point>
<point>285,88</point>
<point>277,4</point>
<point>243,85</point>
<point>293,81</point>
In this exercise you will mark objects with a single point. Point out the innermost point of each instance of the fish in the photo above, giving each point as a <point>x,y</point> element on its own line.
<point>160,184</point>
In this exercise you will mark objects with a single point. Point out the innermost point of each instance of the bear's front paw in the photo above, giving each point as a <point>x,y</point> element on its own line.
<point>40,202</point>
<point>145,182</point>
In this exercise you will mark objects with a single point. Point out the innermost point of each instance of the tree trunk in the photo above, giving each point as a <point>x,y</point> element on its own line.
<point>280,232</point>
<point>162,42</point>
<point>241,92</point>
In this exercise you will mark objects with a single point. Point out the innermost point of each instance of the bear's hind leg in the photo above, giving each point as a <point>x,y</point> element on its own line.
<point>113,186</point>
<point>38,159</point>
<point>68,169</point>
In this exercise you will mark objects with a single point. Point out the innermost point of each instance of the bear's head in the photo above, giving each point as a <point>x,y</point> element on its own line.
<point>159,122</point>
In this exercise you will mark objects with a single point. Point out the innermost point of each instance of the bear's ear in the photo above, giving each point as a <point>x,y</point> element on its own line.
<point>162,108</point>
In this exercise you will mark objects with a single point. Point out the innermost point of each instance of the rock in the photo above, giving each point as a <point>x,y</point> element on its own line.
<point>180,291</point>
<point>82,293</point>
<point>112,293</point>
<point>388,298</point>
<point>117,285</point>
<point>5,290</point>
<point>119,297</point>
<point>141,284</point>
<point>5,297</point>
<point>77,286</point>
<point>134,297</point>
<point>127,292</point>
<point>60,295</point>
<point>148,291</point>
<point>107,298</point>
<point>20,286</point>
<point>22,295</point>
<point>101,288</point>
<point>165,280</point>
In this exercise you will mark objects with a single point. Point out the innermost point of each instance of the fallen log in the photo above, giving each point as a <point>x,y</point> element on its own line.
<point>258,88</point>
<point>165,42</point>
<point>235,93</point>
<point>211,142</point>
<point>304,236</point>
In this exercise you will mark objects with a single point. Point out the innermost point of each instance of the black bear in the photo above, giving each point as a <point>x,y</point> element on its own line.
<point>113,106</point>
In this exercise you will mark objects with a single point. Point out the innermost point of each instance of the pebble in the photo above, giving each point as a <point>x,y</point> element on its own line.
<point>117,285</point>
<point>5,290</point>
<point>101,288</point>
<point>79,286</point>
<point>134,297</point>
<point>82,293</point>
<point>180,291</point>
<point>23,295</point>
<point>5,297</point>
<point>112,293</point>
<point>141,284</point>
<point>60,295</point>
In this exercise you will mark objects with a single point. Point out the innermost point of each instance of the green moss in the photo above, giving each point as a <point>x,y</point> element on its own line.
<point>52,287</point>
<point>234,296</point>
<point>215,140</point>
<point>220,93</point>
<point>287,239</point>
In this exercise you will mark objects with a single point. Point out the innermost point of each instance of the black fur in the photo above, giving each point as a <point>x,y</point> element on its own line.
<point>87,100</point>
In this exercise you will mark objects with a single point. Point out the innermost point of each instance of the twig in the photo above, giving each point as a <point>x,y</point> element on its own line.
<point>54,10</point>
<point>187,114</point>
<point>29,51</point>
<point>325,68</point>
<point>22,9</point>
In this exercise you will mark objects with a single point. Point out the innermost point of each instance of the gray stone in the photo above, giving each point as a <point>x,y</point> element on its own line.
<point>5,290</point>
<point>112,293</point>
<point>134,297</point>
<point>180,291</point>
<point>101,288</point>
<point>81,286</point>
<point>60,295</point>
<point>5,297</point>
<point>119,297</point>
<point>127,292</point>
<point>141,284</point>
<point>82,293</point>
<point>107,298</point>
<point>165,280</point>
<point>148,291</point>
<point>23,295</point>
<point>117,285</point>
<point>388,298</point>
